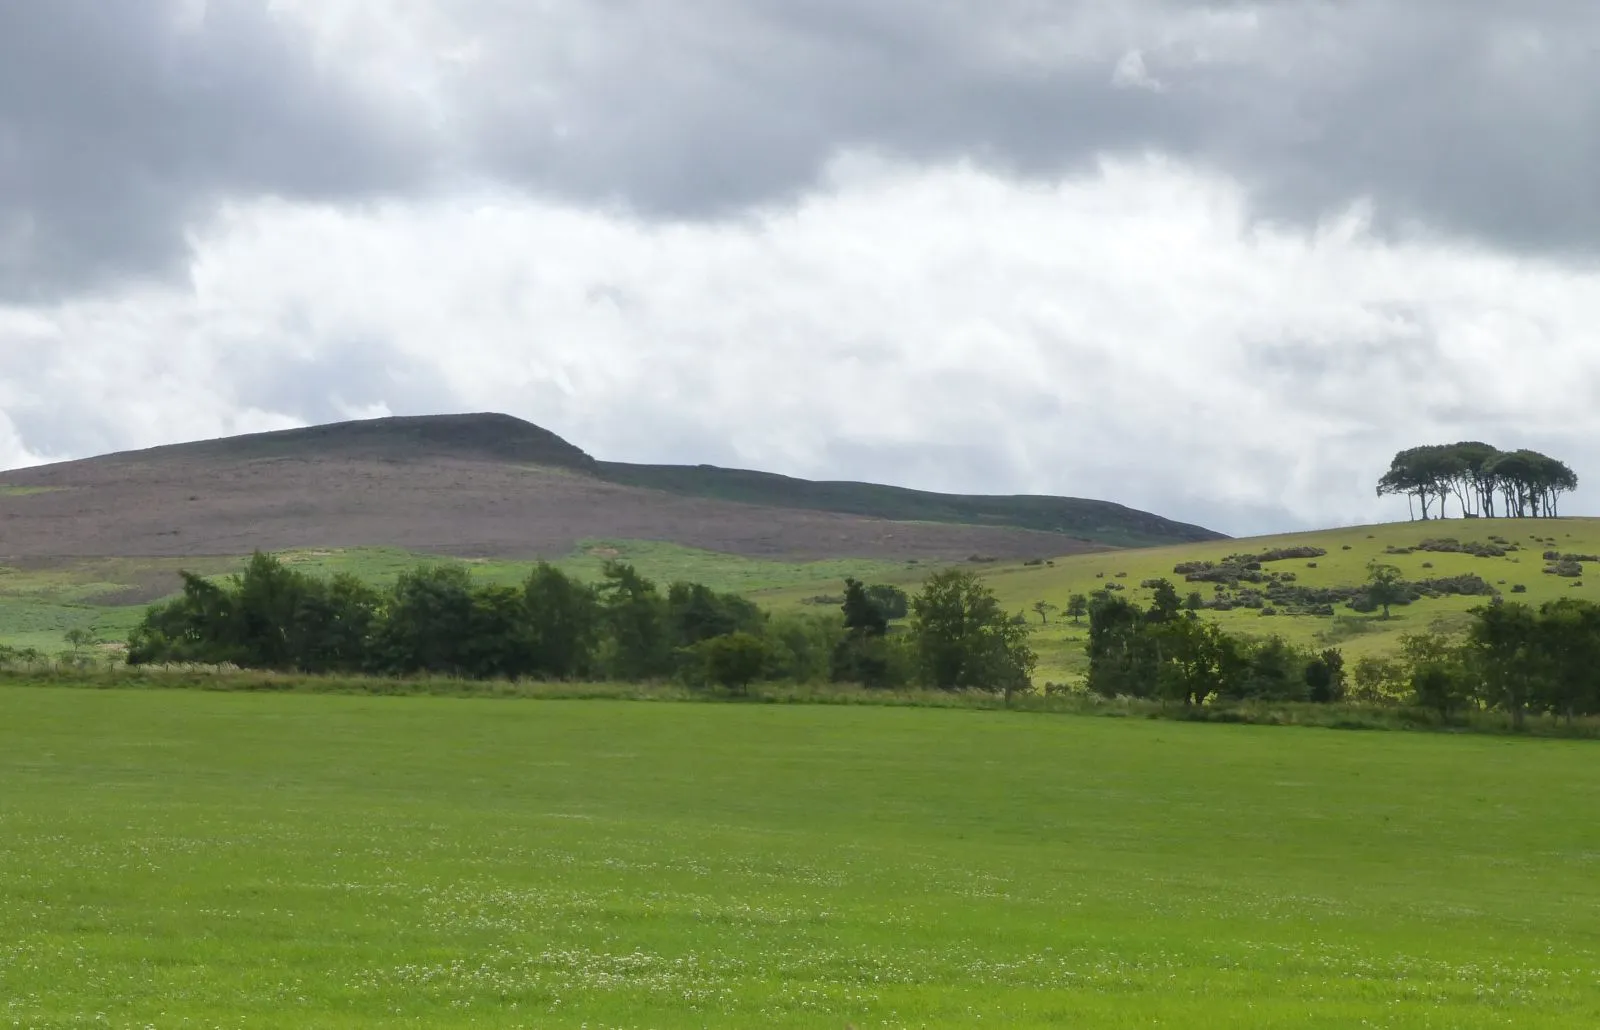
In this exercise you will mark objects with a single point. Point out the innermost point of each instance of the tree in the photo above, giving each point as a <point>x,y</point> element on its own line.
<point>861,612</point>
<point>964,640</point>
<point>1384,586</point>
<point>1123,661</point>
<point>1078,607</point>
<point>1200,660</point>
<point>1325,677</point>
<point>80,639</point>
<point>1567,641</point>
<point>734,659</point>
<point>1164,602</point>
<point>1438,687</point>
<point>429,622</point>
<point>636,618</point>
<point>1043,608</point>
<point>1474,472</point>
<point>1377,680</point>
<point>564,623</point>
<point>499,642</point>
<point>1504,638</point>
<point>891,600</point>
<point>862,656</point>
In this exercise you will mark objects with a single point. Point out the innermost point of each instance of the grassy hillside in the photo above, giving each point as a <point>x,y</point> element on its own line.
<point>1097,521</point>
<point>36,608</point>
<point>1345,564</point>
<point>1060,643</point>
<point>203,859</point>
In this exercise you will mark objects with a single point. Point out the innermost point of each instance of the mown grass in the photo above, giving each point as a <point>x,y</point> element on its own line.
<point>196,858</point>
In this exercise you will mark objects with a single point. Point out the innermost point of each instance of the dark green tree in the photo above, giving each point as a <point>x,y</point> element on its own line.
<point>863,655</point>
<point>964,640</point>
<point>563,624</point>
<point>428,624</point>
<point>1504,639</point>
<point>636,620</point>
<point>1077,607</point>
<point>891,600</point>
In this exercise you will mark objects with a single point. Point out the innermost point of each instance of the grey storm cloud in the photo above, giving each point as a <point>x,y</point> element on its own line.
<point>122,124</point>
<point>1479,118</point>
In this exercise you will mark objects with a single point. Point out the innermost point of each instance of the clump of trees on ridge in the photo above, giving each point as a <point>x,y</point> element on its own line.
<point>437,621</point>
<point>1525,483</point>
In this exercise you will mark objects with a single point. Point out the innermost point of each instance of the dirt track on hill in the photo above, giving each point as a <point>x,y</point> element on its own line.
<point>140,506</point>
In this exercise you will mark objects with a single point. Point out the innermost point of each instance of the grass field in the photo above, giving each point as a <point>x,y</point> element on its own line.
<point>197,859</point>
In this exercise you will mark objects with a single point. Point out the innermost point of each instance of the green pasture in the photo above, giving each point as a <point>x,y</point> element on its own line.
<point>200,859</point>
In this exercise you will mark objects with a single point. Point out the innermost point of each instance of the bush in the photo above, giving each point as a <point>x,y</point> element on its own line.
<point>1518,588</point>
<point>733,660</point>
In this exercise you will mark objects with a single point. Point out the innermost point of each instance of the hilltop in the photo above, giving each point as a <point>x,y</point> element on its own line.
<point>493,485</point>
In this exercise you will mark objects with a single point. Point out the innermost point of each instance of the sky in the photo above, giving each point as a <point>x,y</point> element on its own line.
<point>1214,260</point>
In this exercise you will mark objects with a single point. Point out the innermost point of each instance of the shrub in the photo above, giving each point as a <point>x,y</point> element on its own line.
<point>1518,588</point>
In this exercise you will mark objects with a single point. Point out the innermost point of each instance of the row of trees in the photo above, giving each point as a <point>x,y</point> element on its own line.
<point>1514,658</point>
<point>1477,475</point>
<point>437,620</point>
<point>1167,652</point>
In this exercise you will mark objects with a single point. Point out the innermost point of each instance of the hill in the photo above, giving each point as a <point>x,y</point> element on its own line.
<point>492,485</point>
<point>1100,521</point>
<point>1421,550</point>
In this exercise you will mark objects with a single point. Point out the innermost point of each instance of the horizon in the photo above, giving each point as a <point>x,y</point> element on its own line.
<point>1266,534</point>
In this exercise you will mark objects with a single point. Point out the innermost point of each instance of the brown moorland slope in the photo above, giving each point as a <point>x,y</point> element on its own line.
<point>464,485</point>
<point>489,486</point>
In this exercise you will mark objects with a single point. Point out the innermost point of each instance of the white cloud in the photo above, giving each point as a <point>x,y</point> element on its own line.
<point>1129,334</point>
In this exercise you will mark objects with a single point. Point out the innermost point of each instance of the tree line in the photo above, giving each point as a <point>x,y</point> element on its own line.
<point>1481,478</point>
<point>1513,658</point>
<point>436,620</point>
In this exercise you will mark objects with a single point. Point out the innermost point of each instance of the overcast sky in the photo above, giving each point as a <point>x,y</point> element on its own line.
<point>1219,261</point>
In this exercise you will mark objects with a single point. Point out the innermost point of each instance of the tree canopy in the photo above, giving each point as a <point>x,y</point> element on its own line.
<point>1479,477</point>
